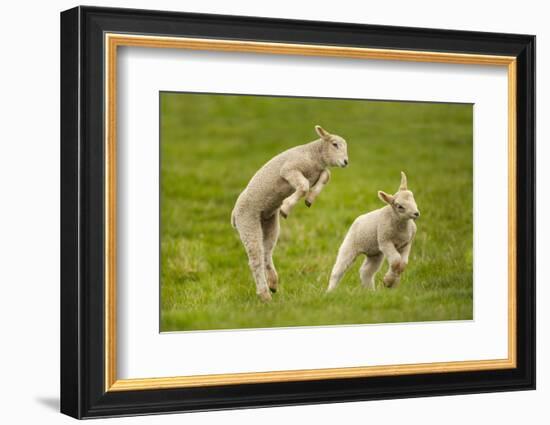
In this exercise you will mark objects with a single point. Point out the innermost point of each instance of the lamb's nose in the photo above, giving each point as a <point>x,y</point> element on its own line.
<point>417,214</point>
<point>345,162</point>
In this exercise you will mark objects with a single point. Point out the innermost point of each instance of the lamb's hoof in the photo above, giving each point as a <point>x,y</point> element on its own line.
<point>272,279</point>
<point>283,214</point>
<point>389,280</point>
<point>308,203</point>
<point>265,296</point>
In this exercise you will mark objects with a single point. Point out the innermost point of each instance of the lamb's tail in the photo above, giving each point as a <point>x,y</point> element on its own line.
<point>233,219</point>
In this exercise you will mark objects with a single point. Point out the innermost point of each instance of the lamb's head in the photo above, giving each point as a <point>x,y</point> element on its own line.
<point>334,150</point>
<point>402,203</point>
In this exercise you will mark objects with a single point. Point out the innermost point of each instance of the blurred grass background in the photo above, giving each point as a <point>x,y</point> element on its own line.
<point>211,145</point>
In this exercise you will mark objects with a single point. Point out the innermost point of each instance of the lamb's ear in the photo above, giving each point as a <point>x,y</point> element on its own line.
<point>322,132</point>
<point>385,197</point>
<point>403,185</point>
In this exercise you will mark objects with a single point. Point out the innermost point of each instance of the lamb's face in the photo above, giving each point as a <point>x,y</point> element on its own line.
<point>404,205</point>
<point>336,152</point>
<point>335,148</point>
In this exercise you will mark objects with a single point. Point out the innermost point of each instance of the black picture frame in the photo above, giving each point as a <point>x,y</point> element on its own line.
<point>82,212</point>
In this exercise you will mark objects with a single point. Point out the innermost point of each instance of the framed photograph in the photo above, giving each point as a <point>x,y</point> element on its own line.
<point>261,212</point>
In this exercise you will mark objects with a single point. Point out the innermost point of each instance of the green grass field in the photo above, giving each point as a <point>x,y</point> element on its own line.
<point>211,145</point>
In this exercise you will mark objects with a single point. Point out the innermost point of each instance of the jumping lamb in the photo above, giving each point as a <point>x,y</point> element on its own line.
<point>275,189</point>
<point>386,232</point>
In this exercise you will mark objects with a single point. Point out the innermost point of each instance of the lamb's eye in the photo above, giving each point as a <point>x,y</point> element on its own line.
<point>400,207</point>
<point>335,145</point>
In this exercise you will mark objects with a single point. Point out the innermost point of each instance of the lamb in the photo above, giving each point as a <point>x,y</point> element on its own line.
<point>386,232</point>
<point>275,189</point>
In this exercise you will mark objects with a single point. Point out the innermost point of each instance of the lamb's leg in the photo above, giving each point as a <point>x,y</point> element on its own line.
<point>405,252</point>
<point>368,270</point>
<point>391,279</point>
<point>252,238</point>
<point>317,187</point>
<point>345,258</point>
<point>270,229</point>
<point>301,185</point>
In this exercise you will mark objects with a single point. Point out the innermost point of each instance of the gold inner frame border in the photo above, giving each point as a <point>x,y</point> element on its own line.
<point>113,41</point>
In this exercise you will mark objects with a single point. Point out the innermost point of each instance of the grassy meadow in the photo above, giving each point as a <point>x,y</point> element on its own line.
<point>211,145</point>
